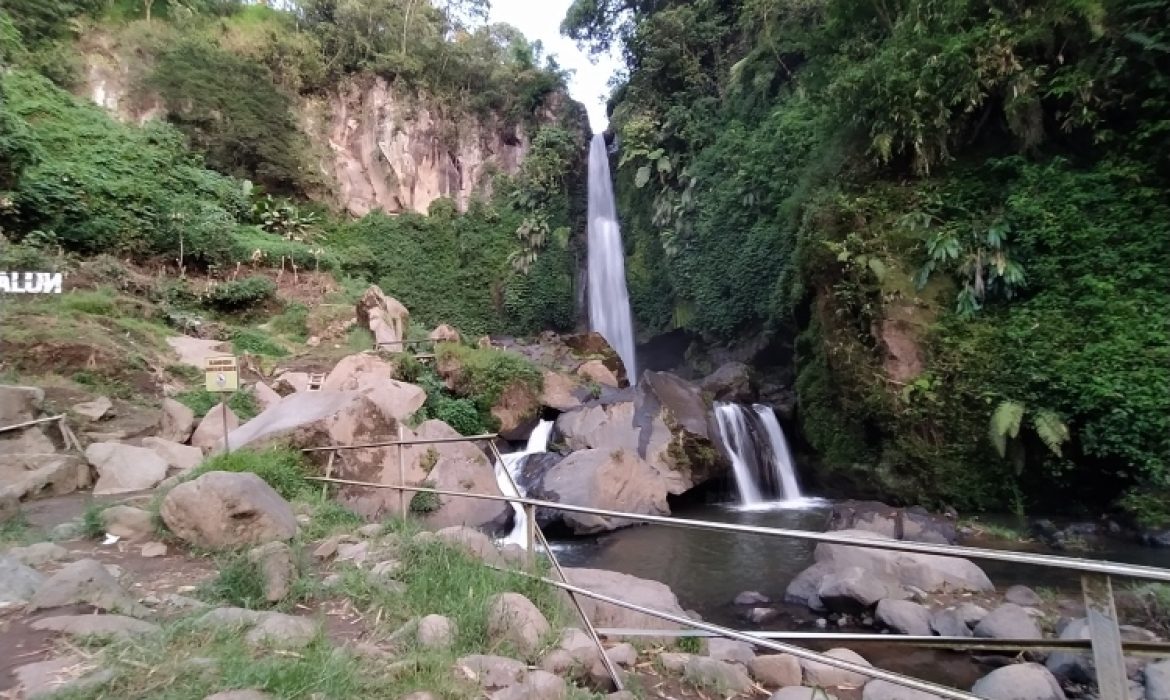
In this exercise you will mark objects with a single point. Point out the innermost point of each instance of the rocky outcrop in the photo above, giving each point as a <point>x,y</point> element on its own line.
<point>733,382</point>
<point>384,316</point>
<point>596,371</point>
<point>916,523</point>
<point>27,476</point>
<point>373,377</point>
<point>124,468</point>
<point>631,589</point>
<point>559,392</point>
<point>608,479</point>
<point>225,510</point>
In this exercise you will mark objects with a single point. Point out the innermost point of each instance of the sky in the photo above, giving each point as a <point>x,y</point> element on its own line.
<point>541,19</point>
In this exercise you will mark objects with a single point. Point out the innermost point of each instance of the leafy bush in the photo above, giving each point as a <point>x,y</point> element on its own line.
<point>282,468</point>
<point>200,401</point>
<point>293,321</point>
<point>250,245</point>
<point>423,503</point>
<point>240,294</point>
<point>483,374</point>
<point>255,342</point>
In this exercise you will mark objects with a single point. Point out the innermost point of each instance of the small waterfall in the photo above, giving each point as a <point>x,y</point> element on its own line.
<point>760,458</point>
<point>733,427</point>
<point>782,466</point>
<point>510,467</point>
<point>609,301</point>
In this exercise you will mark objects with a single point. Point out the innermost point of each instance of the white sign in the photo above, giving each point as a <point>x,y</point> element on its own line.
<point>30,282</point>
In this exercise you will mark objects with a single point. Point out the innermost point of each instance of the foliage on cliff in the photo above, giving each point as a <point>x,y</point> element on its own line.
<point>194,189</point>
<point>954,204</point>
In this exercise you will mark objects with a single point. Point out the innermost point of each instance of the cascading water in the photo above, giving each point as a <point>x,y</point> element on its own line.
<point>781,455</point>
<point>508,472</point>
<point>609,301</point>
<point>760,458</point>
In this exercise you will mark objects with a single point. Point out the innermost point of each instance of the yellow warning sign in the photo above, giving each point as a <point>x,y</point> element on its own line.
<point>222,374</point>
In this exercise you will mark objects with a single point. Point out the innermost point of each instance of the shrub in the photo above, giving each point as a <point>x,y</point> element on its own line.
<point>242,403</point>
<point>248,340</point>
<point>423,502</point>
<point>283,469</point>
<point>240,583</point>
<point>293,321</point>
<point>237,295</point>
<point>95,303</point>
<point>483,374</point>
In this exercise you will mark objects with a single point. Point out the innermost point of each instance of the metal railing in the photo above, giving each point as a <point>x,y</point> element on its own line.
<point>1105,637</point>
<point>67,435</point>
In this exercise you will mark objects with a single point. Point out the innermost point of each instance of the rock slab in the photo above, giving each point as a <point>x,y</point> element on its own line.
<point>124,468</point>
<point>222,510</point>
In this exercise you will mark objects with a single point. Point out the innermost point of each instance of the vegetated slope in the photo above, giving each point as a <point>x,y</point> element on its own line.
<point>219,181</point>
<point>961,208</point>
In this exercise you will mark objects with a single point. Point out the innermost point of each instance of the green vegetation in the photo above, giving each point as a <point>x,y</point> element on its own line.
<point>282,468</point>
<point>242,403</point>
<point>483,375</point>
<point>14,531</point>
<point>256,342</point>
<point>955,207</point>
<point>423,503</point>
<point>93,525</point>
<point>240,294</point>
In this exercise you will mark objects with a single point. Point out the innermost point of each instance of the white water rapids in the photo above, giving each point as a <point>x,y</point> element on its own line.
<point>609,301</point>
<point>760,459</point>
<point>511,466</point>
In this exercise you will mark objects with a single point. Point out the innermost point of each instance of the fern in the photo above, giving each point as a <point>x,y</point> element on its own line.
<point>1051,429</point>
<point>1005,423</point>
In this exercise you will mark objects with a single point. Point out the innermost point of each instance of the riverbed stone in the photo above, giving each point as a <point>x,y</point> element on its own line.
<point>473,542</point>
<point>727,677</point>
<point>914,523</point>
<point>514,619</point>
<point>904,617</point>
<point>18,582</point>
<point>631,589</point>
<point>490,671</point>
<point>931,573</point>
<point>623,654</point>
<point>797,692</point>
<point>118,626</point>
<point>752,598</point>
<point>38,554</point>
<point>884,690</point>
<point>777,670</point>
<point>1157,677</point>
<point>824,675</point>
<point>1019,682</point>
<point>128,522</point>
<point>1009,621</point>
<point>1022,596</point>
<point>436,632</point>
<point>84,582</point>
<point>731,650</point>
<point>48,678</point>
<point>853,590</point>
<point>280,631</point>
<point>537,685</point>
<point>124,468</point>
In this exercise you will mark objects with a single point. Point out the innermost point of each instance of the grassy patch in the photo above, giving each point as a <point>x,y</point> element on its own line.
<point>242,403</point>
<point>282,468</point>
<point>293,322</point>
<point>1154,606</point>
<point>92,524</point>
<point>329,518</point>
<point>256,342</point>
<point>15,531</point>
<point>359,339</point>
<point>992,530</point>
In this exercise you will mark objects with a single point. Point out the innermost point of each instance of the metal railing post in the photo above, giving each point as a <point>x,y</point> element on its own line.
<point>1101,615</point>
<point>530,534</point>
<point>401,475</point>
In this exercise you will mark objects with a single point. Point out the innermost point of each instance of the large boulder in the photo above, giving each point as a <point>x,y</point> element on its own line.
<point>558,392</point>
<point>225,510</point>
<point>595,371</point>
<point>450,466</point>
<point>854,590</point>
<point>885,690</point>
<point>1019,682</point>
<point>181,458</point>
<point>630,589</point>
<point>904,617</point>
<point>373,377</point>
<point>1157,676</point>
<point>915,523</point>
<point>593,345</point>
<point>821,674</point>
<point>384,316</point>
<point>20,403</point>
<point>733,382</point>
<point>1009,621</point>
<point>513,619</point>
<point>612,480</point>
<point>18,582</point>
<point>896,570</point>
<point>26,476</point>
<point>209,435</point>
<point>84,582</point>
<point>124,468</point>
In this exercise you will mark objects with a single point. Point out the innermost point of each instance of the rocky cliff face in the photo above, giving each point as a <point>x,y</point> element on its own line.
<point>376,146</point>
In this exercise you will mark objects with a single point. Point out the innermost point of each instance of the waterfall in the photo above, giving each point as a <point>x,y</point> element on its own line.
<point>609,302</point>
<point>760,458</point>
<point>781,456</point>
<point>508,471</point>
<point>733,427</point>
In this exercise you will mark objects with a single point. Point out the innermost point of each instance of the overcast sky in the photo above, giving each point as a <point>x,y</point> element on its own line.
<point>541,19</point>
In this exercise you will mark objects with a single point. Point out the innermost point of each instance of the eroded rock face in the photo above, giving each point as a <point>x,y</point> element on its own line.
<point>373,377</point>
<point>385,316</point>
<point>612,480</point>
<point>223,510</point>
<point>916,524</point>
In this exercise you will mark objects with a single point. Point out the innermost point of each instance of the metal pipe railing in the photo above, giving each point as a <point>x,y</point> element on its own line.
<point>1068,563</point>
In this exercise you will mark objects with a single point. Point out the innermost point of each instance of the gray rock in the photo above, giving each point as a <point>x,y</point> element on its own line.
<point>276,567</point>
<point>84,582</point>
<point>623,654</point>
<point>181,458</point>
<point>537,685</point>
<point>44,679</point>
<point>280,631</point>
<point>420,695</point>
<point>904,617</point>
<point>950,622</point>
<point>490,671</point>
<point>371,530</point>
<point>127,522</point>
<point>124,468</point>
<point>95,626</point>
<point>632,589</point>
<point>824,675</point>
<point>386,569</point>
<point>229,618</point>
<point>674,661</point>
<point>1019,682</point>
<point>20,403</point>
<point>752,598</point>
<point>1157,676</point>
<point>1068,665</point>
<point>730,650</point>
<point>513,619</point>
<point>177,421</point>
<point>576,655</point>
<point>885,690</point>
<point>150,550</point>
<point>436,632</point>
<point>357,552</point>
<point>726,677</point>
<point>18,582</point>
<point>93,411</point>
<point>931,573</point>
<point>761,615</point>
<point>38,554</point>
<point>240,695</point>
<point>473,542</point>
<point>1022,596</point>
<point>915,523</point>
<point>223,510</point>
<point>778,670</point>
<point>733,381</point>
<point>797,692</point>
<point>64,532</point>
<point>853,590</point>
<point>1008,621</point>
